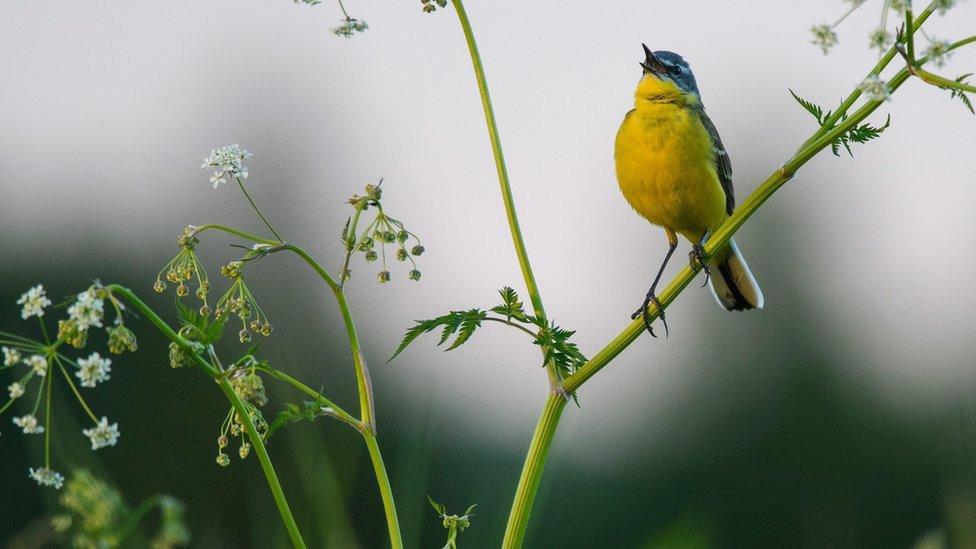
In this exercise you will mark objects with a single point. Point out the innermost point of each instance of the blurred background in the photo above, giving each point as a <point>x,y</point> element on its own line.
<point>839,416</point>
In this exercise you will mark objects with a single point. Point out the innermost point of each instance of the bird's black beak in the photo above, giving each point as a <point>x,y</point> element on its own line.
<point>651,64</point>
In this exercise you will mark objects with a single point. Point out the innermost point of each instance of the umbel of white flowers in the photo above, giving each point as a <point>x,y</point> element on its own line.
<point>227,160</point>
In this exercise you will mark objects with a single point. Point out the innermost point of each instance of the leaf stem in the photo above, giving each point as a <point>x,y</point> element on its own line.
<point>514,325</point>
<point>339,414</point>
<point>240,183</point>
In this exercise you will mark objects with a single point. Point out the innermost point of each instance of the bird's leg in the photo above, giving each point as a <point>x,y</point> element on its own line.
<point>650,297</point>
<point>697,258</point>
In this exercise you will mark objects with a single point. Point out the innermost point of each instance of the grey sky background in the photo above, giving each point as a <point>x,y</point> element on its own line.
<point>107,109</point>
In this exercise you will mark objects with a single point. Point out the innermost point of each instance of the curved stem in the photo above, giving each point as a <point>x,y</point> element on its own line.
<point>236,232</point>
<point>514,325</point>
<point>240,184</point>
<point>386,492</point>
<point>339,414</point>
<point>535,461</point>
<point>269,472</point>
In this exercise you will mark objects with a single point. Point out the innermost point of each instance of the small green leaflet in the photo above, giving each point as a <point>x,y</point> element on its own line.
<point>292,413</point>
<point>860,133</point>
<point>961,94</point>
<point>205,329</point>
<point>511,307</point>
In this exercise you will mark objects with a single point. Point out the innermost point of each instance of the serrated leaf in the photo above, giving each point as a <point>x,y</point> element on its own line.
<point>441,510</point>
<point>811,107</point>
<point>511,307</point>
<point>292,413</point>
<point>205,329</point>
<point>954,93</point>
<point>462,323</point>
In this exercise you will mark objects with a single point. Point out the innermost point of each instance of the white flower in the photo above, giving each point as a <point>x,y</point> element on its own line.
<point>875,88</point>
<point>93,370</point>
<point>939,52</point>
<point>34,301</point>
<point>29,424</point>
<point>103,434</point>
<point>16,390</point>
<point>37,363</point>
<point>881,39</point>
<point>824,36</point>
<point>88,310</point>
<point>10,356</point>
<point>47,477</point>
<point>227,160</point>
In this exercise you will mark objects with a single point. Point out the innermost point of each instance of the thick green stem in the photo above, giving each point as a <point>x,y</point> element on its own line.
<point>535,461</point>
<point>269,472</point>
<point>386,492</point>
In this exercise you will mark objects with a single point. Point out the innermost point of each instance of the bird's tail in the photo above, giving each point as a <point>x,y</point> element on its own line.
<point>732,283</point>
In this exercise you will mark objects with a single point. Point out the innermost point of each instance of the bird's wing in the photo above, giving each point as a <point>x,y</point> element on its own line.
<point>722,162</point>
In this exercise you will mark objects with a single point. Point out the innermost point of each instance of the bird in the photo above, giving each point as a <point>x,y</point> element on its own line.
<point>674,171</point>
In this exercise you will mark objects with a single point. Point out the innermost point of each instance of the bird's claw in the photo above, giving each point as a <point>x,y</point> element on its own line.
<point>645,314</point>
<point>696,257</point>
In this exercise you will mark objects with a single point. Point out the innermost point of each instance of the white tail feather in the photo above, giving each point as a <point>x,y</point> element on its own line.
<point>732,282</point>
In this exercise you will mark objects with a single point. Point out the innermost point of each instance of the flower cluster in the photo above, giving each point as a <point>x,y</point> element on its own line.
<point>33,302</point>
<point>881,38</point>
<point>875,88</point>
<point>185,268</point>
<point>382,232</point>
<point>102,434</point>
<point>239,301</point>
<point>86,312</point>
<point>430,6</point>
<point>250,388</point>
<point>36,360</point>
<point>93,370</point>
<point>226,161</point>
<point>348,27</point>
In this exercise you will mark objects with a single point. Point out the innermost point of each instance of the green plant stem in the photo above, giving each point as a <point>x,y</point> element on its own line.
<point>236,232</point>
<point>535,461</point>
<point>339,413</point>
<point>496,147</point>
<point>269,472</point>
<point>386,492</point>
<point>942,82</point>
<point>240,184</point>
<point>367,421</point>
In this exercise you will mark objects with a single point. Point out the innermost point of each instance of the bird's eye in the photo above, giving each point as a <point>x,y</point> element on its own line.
<point>674,69</point>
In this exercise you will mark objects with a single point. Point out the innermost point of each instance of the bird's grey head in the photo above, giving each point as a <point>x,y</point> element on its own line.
<point>667,64</point>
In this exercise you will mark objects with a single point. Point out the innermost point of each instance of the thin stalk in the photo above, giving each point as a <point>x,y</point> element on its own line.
<point>535,461</point>
<point>386,492</point>
<point>496,147</point>
<point>514,325</point>
<point>236,232</point>
<point>339,413</point>
<point>240,184</point>
<point>74,390</point>
<point>269,472</point>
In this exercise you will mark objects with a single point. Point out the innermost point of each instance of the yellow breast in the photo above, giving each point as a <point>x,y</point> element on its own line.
<point>665,164</point>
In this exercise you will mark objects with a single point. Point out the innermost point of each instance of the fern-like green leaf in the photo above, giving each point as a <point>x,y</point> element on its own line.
<point>292,413</point>
<point>954,93</point>
<point>462,323</point>
<point>811,107</point>
<point>511,307</point>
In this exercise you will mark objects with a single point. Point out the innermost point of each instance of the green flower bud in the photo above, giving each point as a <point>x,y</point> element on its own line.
<point>417,250</point>
<point>415,275</point>
<point>223,460</point>
<point>159,286</point>
<point>371,255</point>
<point>401,254</point>
<point>383,277</point>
